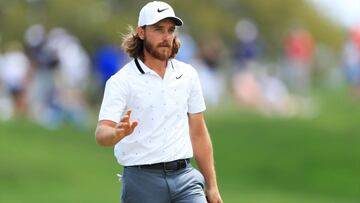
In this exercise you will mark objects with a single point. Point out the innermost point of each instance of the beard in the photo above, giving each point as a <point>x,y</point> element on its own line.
<point>161,51</point>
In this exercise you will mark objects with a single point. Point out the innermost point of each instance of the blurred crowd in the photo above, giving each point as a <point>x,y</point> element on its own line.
<point>45,77</point>
<point>48,75</point>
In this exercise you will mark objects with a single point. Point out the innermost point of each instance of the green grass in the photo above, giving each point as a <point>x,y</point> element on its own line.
<point>258,160</point>
<point>38,165</point>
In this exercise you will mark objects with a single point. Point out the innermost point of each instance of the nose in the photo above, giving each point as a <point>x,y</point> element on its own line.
<point>166,36</point>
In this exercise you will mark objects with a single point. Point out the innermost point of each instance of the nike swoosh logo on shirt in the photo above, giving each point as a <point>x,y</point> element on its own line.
<point>161,10</point>
<point>179,76</point>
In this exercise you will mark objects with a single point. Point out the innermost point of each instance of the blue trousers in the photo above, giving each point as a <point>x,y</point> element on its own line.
<point>141,185</point>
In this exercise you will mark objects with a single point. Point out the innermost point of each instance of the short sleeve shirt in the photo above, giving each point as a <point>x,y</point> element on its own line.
<point>159,104</point>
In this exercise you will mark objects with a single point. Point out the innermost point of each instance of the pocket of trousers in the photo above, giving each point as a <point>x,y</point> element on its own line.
<point>199,177</point>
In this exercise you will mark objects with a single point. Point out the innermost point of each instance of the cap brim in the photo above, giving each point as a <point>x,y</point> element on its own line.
<point>177,21</point>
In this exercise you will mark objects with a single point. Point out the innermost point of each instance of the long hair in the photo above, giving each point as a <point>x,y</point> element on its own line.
<point>134,46</point>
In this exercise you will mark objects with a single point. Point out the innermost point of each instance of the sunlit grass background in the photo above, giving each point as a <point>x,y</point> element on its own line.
<point>258,159</point>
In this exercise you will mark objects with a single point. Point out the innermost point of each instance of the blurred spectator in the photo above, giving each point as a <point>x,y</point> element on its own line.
<point>247,89</point>
<point>326,64</point>
<point>71,78</point>
<point>60,75</point>
<point>298,46</point>
<point>351,60</point>
<point>276,98</point>
<point>248,49</point>
<point>262,91</point>
<point>208,66</point>
<point>6,106</point>
<point>256,85</point>
<point>14,74</point>
<point>44,61</point>
<point>188,48</point>
<point>108,60</point>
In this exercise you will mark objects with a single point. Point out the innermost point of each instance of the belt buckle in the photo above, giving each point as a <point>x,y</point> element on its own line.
<point>181,164</point>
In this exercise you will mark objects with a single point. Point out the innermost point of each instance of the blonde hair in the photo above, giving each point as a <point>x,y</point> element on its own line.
<point>134,46</point>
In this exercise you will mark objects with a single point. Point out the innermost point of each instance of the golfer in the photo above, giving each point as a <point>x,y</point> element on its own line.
<point>152,113</point>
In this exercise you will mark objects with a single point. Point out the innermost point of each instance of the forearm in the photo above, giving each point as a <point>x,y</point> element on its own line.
<point>108,133</point>
<point>203,154</point>
<point>105,136</point>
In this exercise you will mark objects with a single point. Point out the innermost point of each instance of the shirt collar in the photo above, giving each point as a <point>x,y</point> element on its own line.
<point>142,68</point>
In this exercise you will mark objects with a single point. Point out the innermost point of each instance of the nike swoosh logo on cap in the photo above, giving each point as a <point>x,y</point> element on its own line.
<point>161,10</point>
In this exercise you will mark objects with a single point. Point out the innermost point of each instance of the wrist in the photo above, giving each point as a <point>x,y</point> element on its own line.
<point>211,185</point>
<point>212,188</point>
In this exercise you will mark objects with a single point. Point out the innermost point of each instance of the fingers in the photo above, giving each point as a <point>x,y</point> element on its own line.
<point>129,112</point>
<point>134,124</point>
<point>129,124</point>
<point>125,125</point>
<point>126,117</point>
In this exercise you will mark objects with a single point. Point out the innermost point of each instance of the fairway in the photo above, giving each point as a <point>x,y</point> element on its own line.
<point>258,160</point>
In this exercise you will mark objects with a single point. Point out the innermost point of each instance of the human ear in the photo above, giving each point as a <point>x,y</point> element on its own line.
<point>141,32</point>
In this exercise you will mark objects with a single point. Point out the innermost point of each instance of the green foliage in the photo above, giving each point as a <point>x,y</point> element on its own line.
<point>97,21</point>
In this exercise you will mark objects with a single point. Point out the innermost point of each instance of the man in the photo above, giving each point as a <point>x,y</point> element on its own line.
<point>152,113</point>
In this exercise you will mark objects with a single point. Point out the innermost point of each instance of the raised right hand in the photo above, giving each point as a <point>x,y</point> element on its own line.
<point>125,127</point>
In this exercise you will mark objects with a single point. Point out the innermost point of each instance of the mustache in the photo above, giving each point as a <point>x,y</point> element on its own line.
<point>164,44</point>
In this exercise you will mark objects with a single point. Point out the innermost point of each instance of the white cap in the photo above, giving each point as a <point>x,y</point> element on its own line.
<point>155,11</point>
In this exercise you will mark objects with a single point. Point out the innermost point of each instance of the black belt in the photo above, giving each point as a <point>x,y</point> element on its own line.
<point>167,166</point>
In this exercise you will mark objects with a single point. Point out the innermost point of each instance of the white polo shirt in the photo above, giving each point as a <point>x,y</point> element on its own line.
<point>160,106</point>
